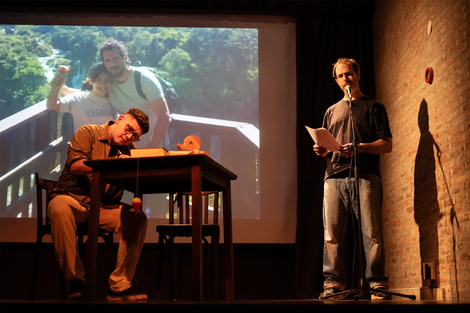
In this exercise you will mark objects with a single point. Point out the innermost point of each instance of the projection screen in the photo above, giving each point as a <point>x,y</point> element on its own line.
<point>235,77</point>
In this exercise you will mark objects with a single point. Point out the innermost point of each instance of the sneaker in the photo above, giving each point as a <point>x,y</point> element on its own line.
<point>330,293</point>
<point>126,295</point>
<point>75,290</point>
<point>376,293</point>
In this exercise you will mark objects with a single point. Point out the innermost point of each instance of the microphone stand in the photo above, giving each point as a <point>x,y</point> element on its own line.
<point>359,291</point>
<point>356,203</point>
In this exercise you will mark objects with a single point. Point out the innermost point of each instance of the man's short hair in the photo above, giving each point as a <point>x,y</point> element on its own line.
<point>141,118</point>
<point>353,63</point>
<point>111,44</point>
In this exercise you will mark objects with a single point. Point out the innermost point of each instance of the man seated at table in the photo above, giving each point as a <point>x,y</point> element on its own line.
<point>70,204</point>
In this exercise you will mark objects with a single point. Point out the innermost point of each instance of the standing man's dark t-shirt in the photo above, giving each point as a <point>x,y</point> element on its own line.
<point>371,120</point>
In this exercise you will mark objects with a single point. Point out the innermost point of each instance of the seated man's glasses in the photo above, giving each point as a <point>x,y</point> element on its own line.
<point>129,130</point>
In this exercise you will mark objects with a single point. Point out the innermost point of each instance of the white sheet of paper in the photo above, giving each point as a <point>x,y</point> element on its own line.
<point>322,137</point>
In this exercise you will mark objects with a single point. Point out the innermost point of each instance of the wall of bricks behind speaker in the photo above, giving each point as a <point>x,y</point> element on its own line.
<point>427,176</point>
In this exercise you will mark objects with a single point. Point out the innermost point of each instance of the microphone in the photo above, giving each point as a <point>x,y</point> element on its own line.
<point>348,90</point>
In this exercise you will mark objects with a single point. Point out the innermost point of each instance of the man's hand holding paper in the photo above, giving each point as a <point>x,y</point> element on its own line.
<point>324,139</point>
<point>325,142</point>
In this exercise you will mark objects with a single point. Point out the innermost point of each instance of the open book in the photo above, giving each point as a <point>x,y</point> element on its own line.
<point>323,138</point>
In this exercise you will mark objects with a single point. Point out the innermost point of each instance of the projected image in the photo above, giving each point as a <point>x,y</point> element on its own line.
<point>213,71</point>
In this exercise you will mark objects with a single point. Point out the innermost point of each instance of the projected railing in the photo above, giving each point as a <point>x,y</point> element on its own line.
<point>36,140</point>
<point>234,145</point>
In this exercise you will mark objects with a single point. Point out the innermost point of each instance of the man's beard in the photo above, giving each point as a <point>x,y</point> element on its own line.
<point>117,71</point>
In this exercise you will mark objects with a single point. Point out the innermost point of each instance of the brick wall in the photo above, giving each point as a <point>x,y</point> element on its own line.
<point>427,176</point>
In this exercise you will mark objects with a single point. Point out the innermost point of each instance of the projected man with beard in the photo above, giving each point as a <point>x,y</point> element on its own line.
<point>123,94</point>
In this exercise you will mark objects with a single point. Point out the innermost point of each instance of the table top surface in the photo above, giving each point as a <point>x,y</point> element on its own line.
<point>163,173</point>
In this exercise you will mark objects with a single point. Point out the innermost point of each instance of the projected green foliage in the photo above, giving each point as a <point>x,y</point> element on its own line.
<point>213,69</point>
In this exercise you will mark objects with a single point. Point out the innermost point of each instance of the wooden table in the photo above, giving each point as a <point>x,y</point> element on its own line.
<point>164,174</point>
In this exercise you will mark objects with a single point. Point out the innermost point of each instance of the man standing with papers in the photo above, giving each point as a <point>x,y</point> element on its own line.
<point>373,138</point>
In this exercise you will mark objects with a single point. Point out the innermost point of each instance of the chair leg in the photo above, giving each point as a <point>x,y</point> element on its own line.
<point>34,280</point>
<point>166,248</point>
<point>170,249</point>
<point>161,259</point>
<point>81,246</point>
<point>215,262</point>
<point>37,258</point>
<point>62,286</point>
<point>109,240</point>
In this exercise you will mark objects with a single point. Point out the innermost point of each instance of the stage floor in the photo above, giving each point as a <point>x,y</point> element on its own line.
<point>244,306</point>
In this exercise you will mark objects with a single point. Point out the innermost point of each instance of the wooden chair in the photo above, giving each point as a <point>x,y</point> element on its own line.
<point>183,228</point>
<point>43,191</point>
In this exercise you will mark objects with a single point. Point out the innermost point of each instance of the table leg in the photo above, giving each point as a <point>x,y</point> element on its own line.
<point>228,243</point>
<point>92,241</point>
<point>196,189</point>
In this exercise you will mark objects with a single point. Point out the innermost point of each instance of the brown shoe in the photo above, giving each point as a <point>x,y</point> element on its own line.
<point>126,295</point>
<point>377,293</point>
<point>331,293</point>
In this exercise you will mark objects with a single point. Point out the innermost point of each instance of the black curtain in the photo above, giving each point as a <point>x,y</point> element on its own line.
<point>322,37</point>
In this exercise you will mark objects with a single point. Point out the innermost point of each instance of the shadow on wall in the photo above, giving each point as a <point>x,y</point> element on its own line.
<point>426,206</point>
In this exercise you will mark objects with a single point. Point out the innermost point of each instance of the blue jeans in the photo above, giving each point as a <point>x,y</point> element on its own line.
<point>337,203</point>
